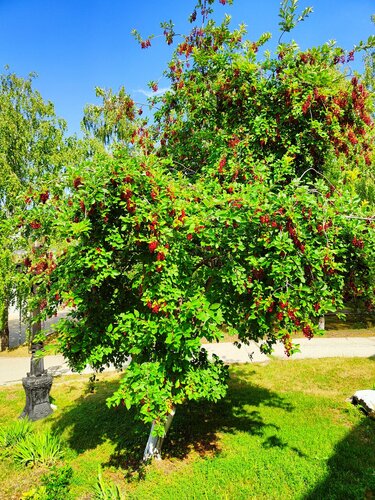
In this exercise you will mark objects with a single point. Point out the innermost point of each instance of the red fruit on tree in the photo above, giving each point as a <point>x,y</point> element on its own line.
<point>160,256</point>
<point>77,182</point>
<point>43,197</point>
<point>152,246</point>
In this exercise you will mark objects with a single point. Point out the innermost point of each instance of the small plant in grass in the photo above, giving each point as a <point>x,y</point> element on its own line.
<point>106,490</point>
<point>92,383</point>
<point>38,449</point>
<point>55,485</point>
<point>57,482</point>
<point>14,433</point>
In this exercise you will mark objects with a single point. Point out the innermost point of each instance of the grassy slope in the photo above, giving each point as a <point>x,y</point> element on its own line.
<point>283,431</point>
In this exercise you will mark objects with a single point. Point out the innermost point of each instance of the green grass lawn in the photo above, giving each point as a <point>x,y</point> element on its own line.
<point>285,430</point>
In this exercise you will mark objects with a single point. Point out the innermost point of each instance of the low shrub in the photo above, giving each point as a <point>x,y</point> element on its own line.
<point>38,449</point>
<point>15,432</point>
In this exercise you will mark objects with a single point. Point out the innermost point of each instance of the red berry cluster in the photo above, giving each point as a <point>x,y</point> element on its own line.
<point>27,262</point>
<point>160,256</point>
<point>43,197</point>
<point>321,228</point>
<point>77,182</point>
<point>306,105</point>
<point>287,341</point>
<point>130,205</point>
<point>153,246</point>
<point>145,44</point>
<point>232,143</point>
<point>357,243</point>
<point>293,234</point>
<point>307,58</point>
<point>154,306</point>
<point>39,267</point>
<point>185,48</point>
<point>307,331</point>
<point>182,216</point>
<point>35,224</point>
<point>339,59</point>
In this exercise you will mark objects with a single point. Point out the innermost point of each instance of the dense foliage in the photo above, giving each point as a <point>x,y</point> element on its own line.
<point>246,205</point>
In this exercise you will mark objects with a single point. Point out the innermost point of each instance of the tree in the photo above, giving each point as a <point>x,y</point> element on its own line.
<point>6,285</point>
<point>369,60</point>
<point>239,208</point>
<point>34,152</point>
<point>113,121</point>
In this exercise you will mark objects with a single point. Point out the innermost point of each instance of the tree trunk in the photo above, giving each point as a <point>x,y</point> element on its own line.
<point>154,443</point>
<point>4,333</point>
<point>36,363</point>
<point>322,323</point>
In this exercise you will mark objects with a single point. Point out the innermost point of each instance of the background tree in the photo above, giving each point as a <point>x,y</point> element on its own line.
<point>114,122</point>
<point>33,152</point>
<point>369,60</point>
<point>7,270</point>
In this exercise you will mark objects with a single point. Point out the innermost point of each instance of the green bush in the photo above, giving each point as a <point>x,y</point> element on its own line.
<point>56,485</point>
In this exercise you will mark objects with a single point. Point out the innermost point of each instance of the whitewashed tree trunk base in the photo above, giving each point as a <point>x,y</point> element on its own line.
<point>155,443</point>
<point>322,323</point>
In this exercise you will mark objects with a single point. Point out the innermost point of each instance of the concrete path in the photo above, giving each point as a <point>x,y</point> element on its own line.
<point>13,369</point>
<point>348,347</point>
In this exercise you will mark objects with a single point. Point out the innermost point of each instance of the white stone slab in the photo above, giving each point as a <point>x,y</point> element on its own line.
<point>366,399</point>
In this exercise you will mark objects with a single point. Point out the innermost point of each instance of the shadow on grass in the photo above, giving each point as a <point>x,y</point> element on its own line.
<point>351,470</point>
<point>195,428</point>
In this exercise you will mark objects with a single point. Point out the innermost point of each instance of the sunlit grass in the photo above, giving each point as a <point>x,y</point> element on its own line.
<point>285,430</point>
<point>21,351</point>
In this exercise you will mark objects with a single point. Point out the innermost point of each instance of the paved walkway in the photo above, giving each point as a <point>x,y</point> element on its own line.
<point>348,347</point>
<point>13,369</point>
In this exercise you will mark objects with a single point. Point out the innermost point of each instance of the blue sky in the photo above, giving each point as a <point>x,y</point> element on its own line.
<point>76,45</point>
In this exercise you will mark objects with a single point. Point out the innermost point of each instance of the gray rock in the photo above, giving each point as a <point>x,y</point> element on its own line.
<point>365,399</point>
